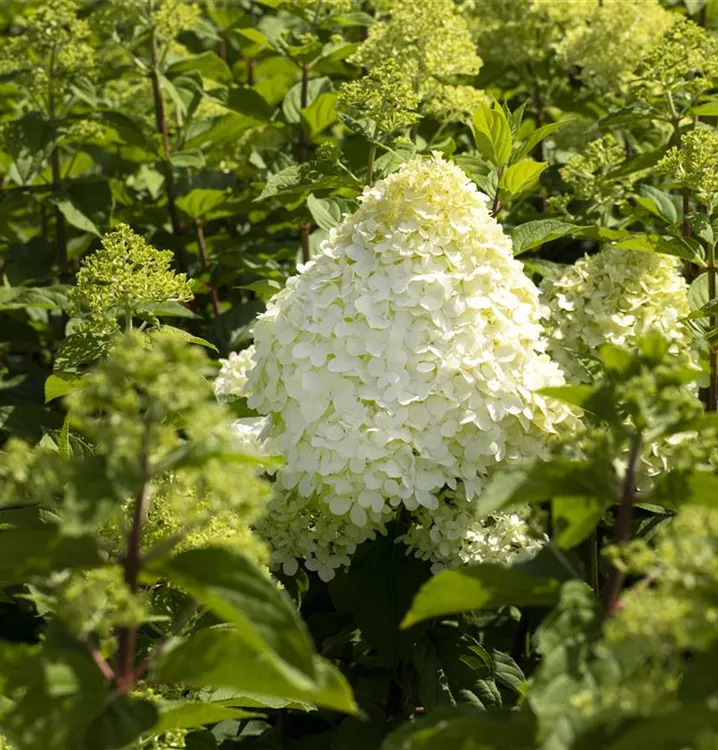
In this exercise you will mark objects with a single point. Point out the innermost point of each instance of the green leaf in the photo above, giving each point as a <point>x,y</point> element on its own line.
<point>532,234</point>
<point>660,203</point>
<point>638,163</point>
<point>42,298</point>
<point>536,481</point>
<point>234,588</point>
<point>39,551</point>
<point>574,518</point>
<point>248,101</point>
<point>186,714</point>
<point>75,217</point>
<point>485,586</point>
<point>121,723</point>
<point>58,385</point>
<point>192,159</point>
<point>122,129</point>
<point>454,668</point>
<point>208,65</point>
<point>535,137</point>
<point>492,134</point>
<point>708,109</point>
<point>464,728</point>
<point>522,176</point>
<point>180,333</point>
<point>320,114</point>
<point>682,247</point>
<point>265,289</point>
<point>292,104</point>
<point>325,211</point>
<point>220,657</point>
<point>201,202</point>
<point>570,667</point>
<point>377,591</point>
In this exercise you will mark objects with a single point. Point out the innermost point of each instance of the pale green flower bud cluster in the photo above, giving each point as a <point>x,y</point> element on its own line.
<point>448,103</point>
<point>397,371</point>
<point>427,38</point>
<point>695,164</point>
<point>53,47</point>
<point>386,95</point>
<point>522,32</point>
<point>685,63</point>
<point>615,296</point>
<point>588,175</point>
<point>612,39</point>
<point>678,611</point>
<point>166,18</point>
<point>324,7</point>
<point>95,601</point>
<point>121,278</point>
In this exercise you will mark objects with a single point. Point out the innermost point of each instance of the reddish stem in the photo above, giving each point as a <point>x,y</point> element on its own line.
<point>163,130</point>
<point>612,588</point>
<point>204,257</point>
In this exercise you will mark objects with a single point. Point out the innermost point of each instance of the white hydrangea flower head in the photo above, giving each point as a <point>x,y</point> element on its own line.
<point>400,364</point>
<point>451,536</point>
<point>232,375</point>
<point>615,296</point>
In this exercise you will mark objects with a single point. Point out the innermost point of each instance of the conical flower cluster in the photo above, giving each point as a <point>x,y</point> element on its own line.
<point>397,370</point>
<point>615,297</point>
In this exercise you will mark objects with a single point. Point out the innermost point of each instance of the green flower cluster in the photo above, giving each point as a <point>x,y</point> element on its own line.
<point>615,296</point>
<point>166,19</point>
<point>94,601</point>
<point>53,50</point>
<point>695,164</point>
<point>126,275</point>
<point>448,103</point>
<point>588,176</point>
<point>427,38</point>
<point>520,32</point>
<point>386,95</point>
<point>609,42</point>
<point>684,64</point>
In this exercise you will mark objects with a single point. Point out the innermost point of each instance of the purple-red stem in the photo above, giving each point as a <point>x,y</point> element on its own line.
<point>204,257</point>
<point>163,130</point>
<point>612,587</point>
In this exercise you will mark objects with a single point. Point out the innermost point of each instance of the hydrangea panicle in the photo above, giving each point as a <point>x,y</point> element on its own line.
<point>400,365</point>
<point>121,277</point>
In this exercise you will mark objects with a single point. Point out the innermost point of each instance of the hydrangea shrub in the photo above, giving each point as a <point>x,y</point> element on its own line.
<point>396,371</point>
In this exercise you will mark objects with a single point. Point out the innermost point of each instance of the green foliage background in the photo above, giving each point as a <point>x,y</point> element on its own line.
<point>232,135</point>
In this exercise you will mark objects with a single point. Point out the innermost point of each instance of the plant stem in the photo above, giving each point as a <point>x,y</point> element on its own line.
<point>304,103</point>
<point>612,588</point>
<point>370,166</point>
<point>496,207</point>
<point>304,228</point>
<point>202,244</point>
<point>107,671</point>
<point>177,626</point>
<point>60,234</point>
<point>593,551</point>
<point>163,130</point>
<point>686,195</point>
<point>132,564</point>
<point>713,322</point>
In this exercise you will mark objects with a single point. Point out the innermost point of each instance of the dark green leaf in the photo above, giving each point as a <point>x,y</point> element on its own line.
<point>122,722</point>
<point>220,657</point>
<point>484,586</point>
<point>236,590</point>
